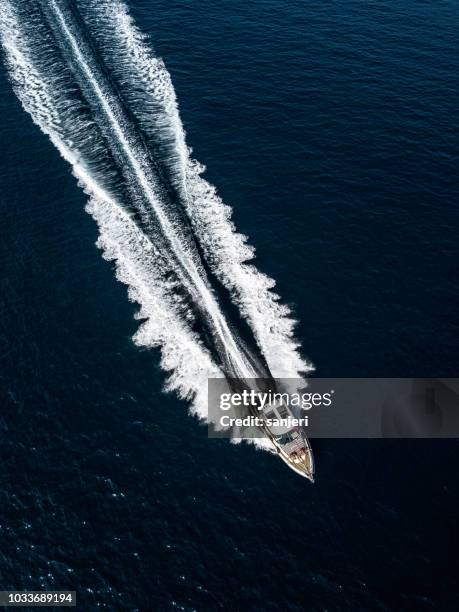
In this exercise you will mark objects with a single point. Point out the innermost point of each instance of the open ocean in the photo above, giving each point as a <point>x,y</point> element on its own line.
<point>331,129</point>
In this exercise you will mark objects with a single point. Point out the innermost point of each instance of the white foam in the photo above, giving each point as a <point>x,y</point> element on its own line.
<point>164,317</point>
<point>227,251</point>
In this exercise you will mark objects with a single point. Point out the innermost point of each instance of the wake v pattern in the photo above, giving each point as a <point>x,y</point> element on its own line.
<point>90,81</point>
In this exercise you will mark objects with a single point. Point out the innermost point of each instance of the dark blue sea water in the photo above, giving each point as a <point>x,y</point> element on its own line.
<point>330,128</point>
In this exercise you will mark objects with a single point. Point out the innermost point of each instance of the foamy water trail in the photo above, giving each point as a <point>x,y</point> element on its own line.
<point>144,77</point>
<point>140,263</point>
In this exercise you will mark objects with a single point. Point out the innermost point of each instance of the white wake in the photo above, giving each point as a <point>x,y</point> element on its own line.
<point>226,250</point>
<point>165,318</point>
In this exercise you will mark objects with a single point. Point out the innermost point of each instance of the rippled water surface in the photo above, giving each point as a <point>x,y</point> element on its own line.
<point>330,128</point>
